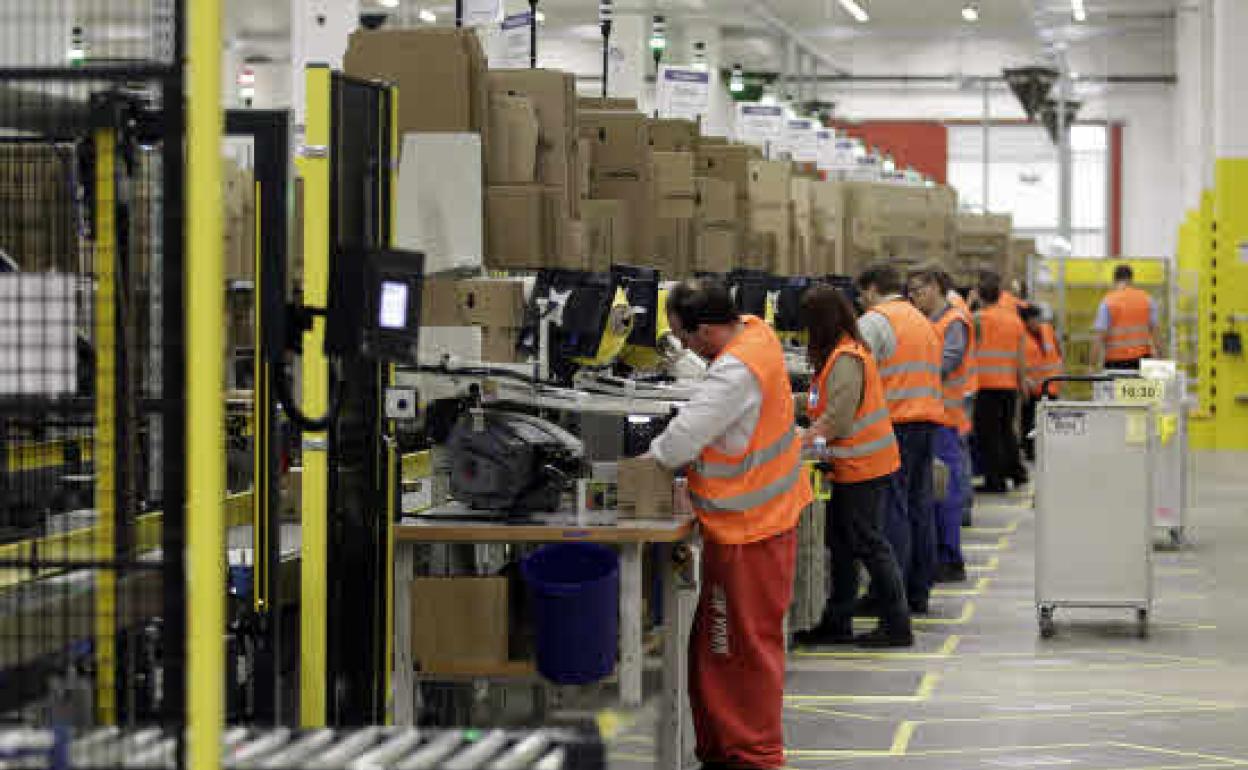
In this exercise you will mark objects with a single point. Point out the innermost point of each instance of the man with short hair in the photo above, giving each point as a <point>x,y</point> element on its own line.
<point>955,331</point>
<point>737,438</point>
<point>909,353</point>
<point>1126,325</point>
<point>1001,367</point>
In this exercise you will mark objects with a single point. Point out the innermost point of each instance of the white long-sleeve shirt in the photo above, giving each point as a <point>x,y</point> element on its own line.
<point>722,415</point>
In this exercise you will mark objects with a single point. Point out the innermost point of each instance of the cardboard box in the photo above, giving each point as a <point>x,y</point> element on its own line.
<point>645,489</point>
<point>769,182</point>
<point>440,73</point>
<point>620,143</point>
<point>673,247</point>
<point>639,197</point>
<point>491,301</point>
<point>459,622</point>
<point>563,236</point>
<point>673,135</point>
<point>499,345</point>
<point>729,162</point>
<point>608,104</point>
<point>769,240</point>
<point>553,94</point>
<point>607,240</point>
<point>513,140</point>
<point>714,201</point>
<point>672,173</point>
<point>514,232</point>
<point>715,249</point>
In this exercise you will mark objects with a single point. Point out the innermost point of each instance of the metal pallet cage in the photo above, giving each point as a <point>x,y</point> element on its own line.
<point>92,472</point>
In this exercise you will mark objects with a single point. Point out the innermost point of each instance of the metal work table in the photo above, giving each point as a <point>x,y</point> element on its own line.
<point>630,536</point>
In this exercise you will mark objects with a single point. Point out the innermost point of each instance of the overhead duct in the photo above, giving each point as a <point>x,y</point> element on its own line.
<point>1049,116</point>
<point>1032,86</point>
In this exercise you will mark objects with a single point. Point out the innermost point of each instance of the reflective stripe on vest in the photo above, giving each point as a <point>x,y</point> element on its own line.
<point>752,460</point>
<point>954,387</point>
<point>869,451</point>
<point>911,377</point>
<point>761,492</point>
<point>1001,333</point>
<point>1129,335</point>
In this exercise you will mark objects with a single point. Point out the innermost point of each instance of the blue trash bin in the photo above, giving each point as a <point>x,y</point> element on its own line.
<point>576,595</point>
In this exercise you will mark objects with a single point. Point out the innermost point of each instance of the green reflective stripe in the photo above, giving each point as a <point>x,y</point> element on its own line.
<point>748,463</point>
<point>862,450</point>
<point>904,394</point>
<point>742,503</point>
<point>866,421</point>
<point>913,367</point>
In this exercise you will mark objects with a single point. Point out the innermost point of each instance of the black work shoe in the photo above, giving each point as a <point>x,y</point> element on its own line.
<point>918,606</point>
<point>884,637</point>
<point>967,519</point>
<point>1021,480</point>
<point>992,489</point>
<point>867,606</point>
<point>951,572</point>
<point>825,634</point>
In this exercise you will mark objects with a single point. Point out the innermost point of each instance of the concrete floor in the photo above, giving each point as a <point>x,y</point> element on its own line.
<point>982,690</point>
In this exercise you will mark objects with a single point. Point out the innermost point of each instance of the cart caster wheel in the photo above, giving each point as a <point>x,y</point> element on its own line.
<point>1141,624</point>
<point>1048,629</point>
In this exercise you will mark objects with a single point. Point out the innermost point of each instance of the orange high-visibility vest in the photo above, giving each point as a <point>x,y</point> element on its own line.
<point>956,384</point>
<point>760,493</point>
<point>1130,335</point>
<point>869,451</point>
<point>996,362</point>
<point>959,304</point>
<point>912,376</point>
<point>1012,302</point>
<point>1044,359</point>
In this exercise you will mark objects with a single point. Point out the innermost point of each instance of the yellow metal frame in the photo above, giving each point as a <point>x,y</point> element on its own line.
<point>314,593</point>
<point>1228,305</point>
<point>105,434</point>
<point>205,396</point>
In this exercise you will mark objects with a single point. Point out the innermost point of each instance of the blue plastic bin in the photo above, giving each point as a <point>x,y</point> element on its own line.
<point>576,595</point>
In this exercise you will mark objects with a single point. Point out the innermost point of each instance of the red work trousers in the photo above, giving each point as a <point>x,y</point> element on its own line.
<point>737,651</point>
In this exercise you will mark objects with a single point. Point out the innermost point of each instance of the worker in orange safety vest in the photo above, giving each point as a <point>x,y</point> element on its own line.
<point>1126,325</point>
<point>737,438</point>
<point>1044,360</point>
<point>1001,370</point>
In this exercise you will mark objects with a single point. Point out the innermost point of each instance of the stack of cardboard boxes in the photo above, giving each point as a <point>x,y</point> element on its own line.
<point>618,143</point>
<point>801,225</point>
<point>828,227</point>
<point>495,306</point>
<point>983,244</point>
<point>768,243</point>
<point>715,231</point>
<point>942,224</point>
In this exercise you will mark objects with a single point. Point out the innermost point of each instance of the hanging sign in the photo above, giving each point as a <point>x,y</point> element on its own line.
<point>760,124</point>
<point>683,92</point>
<point>482,13</point>
<point>801,140</point>
<point>511,49</point>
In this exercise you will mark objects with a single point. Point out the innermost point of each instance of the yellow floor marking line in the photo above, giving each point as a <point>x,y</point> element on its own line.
<point>901,738</point>
<point>823,711</point>
<point>927,685</point>
<point>989,566</point>
<point>1002,544</point>
<point>981,585</point>
<point>1181,753</point>
<point>968,612</point>
<point>631,758</point>
<point>1008,529</point>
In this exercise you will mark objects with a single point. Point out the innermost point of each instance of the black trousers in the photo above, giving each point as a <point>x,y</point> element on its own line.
<point>855,533</point>
<point>994,432</point>
<point>1029,425</point>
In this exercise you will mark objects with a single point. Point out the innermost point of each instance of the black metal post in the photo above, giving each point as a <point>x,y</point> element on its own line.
<point>459,13</point>
<point>606,55</point>
<point>532,34</point>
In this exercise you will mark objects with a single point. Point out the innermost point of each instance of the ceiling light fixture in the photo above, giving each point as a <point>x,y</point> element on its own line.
<point>856,10</point>
<point>428,16</point>
<point>970,12</point>
<point>541,17</point>
<point>388,3</point>
<point>1078,11</point>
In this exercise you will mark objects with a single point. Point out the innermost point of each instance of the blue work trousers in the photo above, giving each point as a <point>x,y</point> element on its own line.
<point>948,448</point>
<point>911,523</point>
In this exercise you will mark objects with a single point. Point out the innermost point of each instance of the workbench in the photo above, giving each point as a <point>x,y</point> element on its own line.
<point>630,536</point>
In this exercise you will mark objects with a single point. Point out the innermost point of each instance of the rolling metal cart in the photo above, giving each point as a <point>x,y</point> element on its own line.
<point>1094,506</point>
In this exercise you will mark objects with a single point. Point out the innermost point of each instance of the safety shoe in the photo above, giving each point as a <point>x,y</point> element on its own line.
<point>884,637</point>
<point>992,489</point>
<point>918,606</point>
<point>825,634</point>
<point>951,572</point>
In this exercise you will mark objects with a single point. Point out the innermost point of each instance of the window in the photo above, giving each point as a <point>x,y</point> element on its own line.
<point>1023,181</point>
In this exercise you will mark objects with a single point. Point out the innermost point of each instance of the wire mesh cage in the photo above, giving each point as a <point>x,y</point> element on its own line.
<point>91,563</point>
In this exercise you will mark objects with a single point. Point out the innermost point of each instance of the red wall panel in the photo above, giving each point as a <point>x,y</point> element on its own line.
<point>921,144</point>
